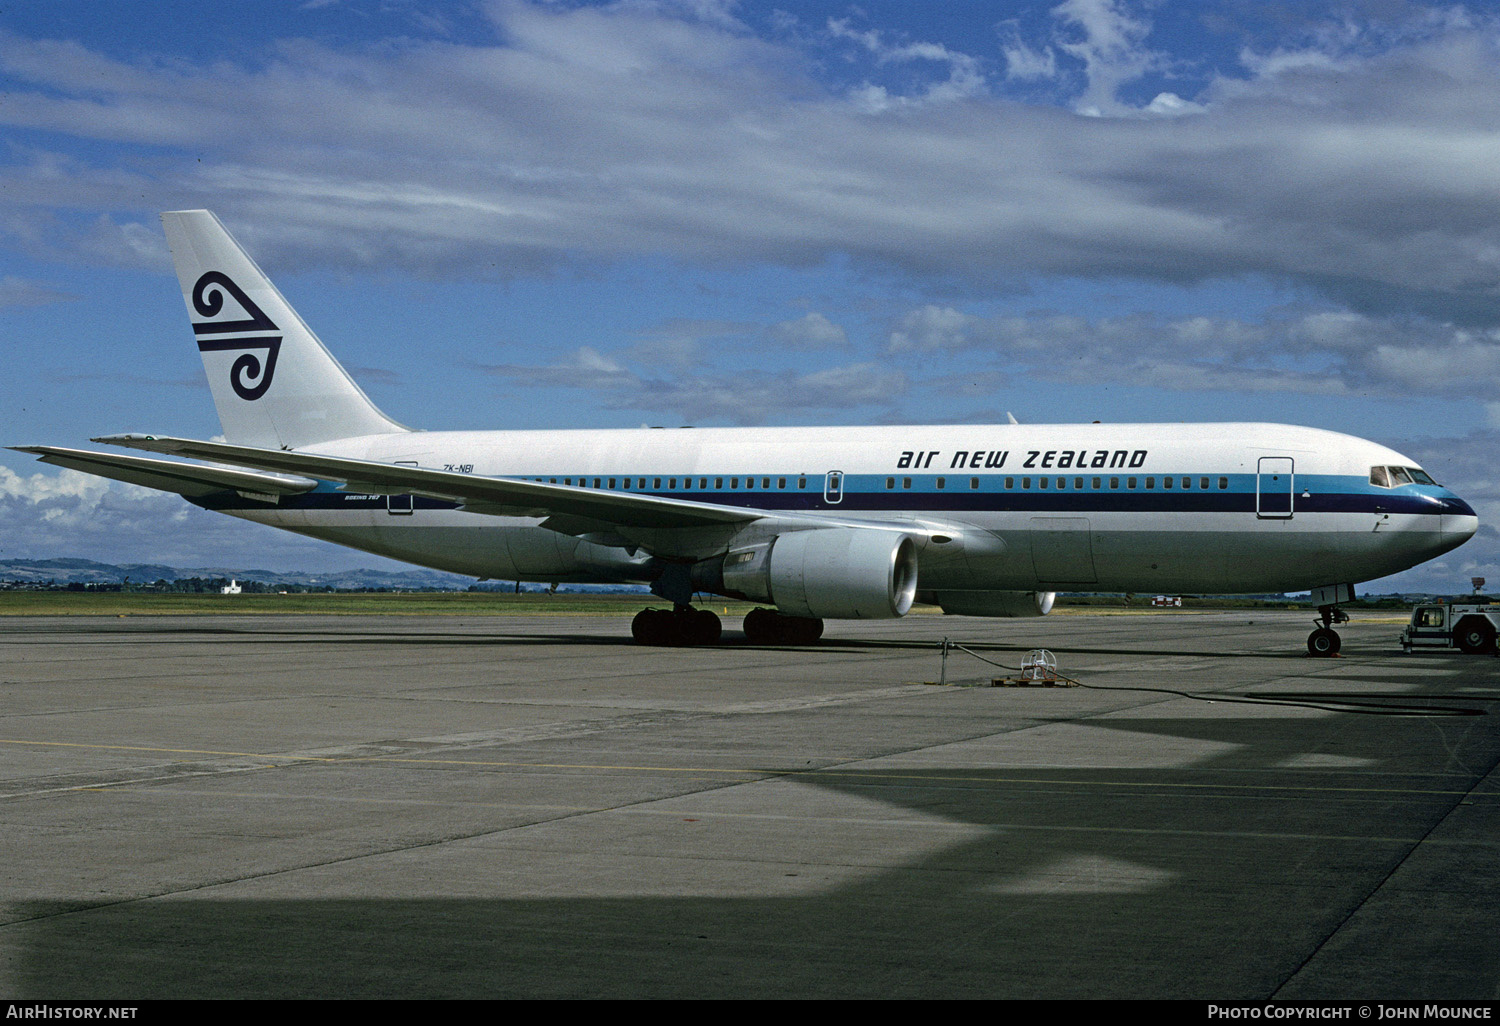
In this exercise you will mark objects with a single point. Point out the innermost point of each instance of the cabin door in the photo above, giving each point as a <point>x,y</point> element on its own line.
<point>1273,488</point>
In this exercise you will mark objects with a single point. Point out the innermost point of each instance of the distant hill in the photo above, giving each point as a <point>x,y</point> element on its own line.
<point>62,572</point>
<point>86,571</point>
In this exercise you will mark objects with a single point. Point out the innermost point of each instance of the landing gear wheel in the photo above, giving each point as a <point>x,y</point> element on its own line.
<point>760,627</point>
<point>1324,642</point>
<point>768,627</point>
<point>675,627</point>
<point>702,627</point>
<point>652,627</point>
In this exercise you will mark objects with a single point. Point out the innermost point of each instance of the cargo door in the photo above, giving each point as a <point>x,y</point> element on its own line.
<point>1062,550</point>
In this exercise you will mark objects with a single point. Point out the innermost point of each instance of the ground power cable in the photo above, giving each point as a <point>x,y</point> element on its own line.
<point>1328,703</point>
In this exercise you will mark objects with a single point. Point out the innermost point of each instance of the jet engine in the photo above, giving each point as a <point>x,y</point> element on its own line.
<point>842,573</point>
<point>995,603</point>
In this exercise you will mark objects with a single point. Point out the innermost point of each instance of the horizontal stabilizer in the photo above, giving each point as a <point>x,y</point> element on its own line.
<point>185,479</point>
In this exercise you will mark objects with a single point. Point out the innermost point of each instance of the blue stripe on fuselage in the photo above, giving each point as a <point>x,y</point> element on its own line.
<point>867,492</point>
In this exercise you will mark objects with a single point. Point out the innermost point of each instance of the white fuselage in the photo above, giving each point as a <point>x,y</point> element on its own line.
<point>1217,508</point>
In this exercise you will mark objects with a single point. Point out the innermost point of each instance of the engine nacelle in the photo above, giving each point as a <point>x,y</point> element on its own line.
<point>996,603</point>
<point>841,573</point>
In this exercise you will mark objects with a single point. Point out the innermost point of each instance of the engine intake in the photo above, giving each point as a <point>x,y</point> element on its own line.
<point>842,573</point>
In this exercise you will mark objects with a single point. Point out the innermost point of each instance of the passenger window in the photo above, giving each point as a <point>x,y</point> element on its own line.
<point>1166,482</point>
<point>942,482</point>
<point>890,483</point>
<point>1203,483</point>
<point>973,484</point>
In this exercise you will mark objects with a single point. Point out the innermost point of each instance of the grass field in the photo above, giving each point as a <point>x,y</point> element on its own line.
<point>460,603</point>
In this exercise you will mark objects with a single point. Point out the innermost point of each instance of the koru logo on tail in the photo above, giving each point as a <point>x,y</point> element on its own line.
<point>247,375</point>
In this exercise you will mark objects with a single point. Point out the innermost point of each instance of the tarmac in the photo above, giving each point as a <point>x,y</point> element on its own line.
<point>434,807</point>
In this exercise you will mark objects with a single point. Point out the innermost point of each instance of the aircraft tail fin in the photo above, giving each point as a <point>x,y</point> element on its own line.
<point>275,385</point>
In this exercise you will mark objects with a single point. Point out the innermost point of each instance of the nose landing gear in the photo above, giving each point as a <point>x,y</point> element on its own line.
<point>1324,642</point>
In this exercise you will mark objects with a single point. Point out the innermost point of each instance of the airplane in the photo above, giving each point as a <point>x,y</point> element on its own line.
<point>816,523</point>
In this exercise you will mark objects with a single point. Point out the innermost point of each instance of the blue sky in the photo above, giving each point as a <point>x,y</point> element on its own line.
<point>534,214</point>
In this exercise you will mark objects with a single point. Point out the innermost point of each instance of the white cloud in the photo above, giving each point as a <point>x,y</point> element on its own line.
<point>21,292</point>
<point>812,331</point>
<point>1111,45</point>
<point>604,132</point>
<point>932,327</point>
<point>1024,62</point>
<point>1325,353</point>
<point>965,78</point>
<point>738,397</point>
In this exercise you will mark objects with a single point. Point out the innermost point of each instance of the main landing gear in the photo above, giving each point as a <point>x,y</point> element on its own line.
<point>682,625</point>
<point>1325,641</point>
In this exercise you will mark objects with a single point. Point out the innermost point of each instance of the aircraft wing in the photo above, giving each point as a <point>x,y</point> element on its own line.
<point>185,479</point>
<point>576,509</point>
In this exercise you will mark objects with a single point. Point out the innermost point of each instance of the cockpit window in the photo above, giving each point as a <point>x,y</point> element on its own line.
<point>1394,477</point>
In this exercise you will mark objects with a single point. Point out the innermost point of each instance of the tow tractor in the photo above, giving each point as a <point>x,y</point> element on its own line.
<point>1470,625</point>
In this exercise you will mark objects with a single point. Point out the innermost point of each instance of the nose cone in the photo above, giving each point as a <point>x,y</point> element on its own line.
<point>1459,521</point>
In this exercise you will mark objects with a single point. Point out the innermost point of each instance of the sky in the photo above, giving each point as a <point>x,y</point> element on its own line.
<point>532,214</point>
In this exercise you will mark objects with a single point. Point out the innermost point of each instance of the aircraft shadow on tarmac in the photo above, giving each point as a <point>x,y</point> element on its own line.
<point>1277,862</point>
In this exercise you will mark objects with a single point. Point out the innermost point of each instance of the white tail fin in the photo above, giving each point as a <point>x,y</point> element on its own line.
<point>273,382</point>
